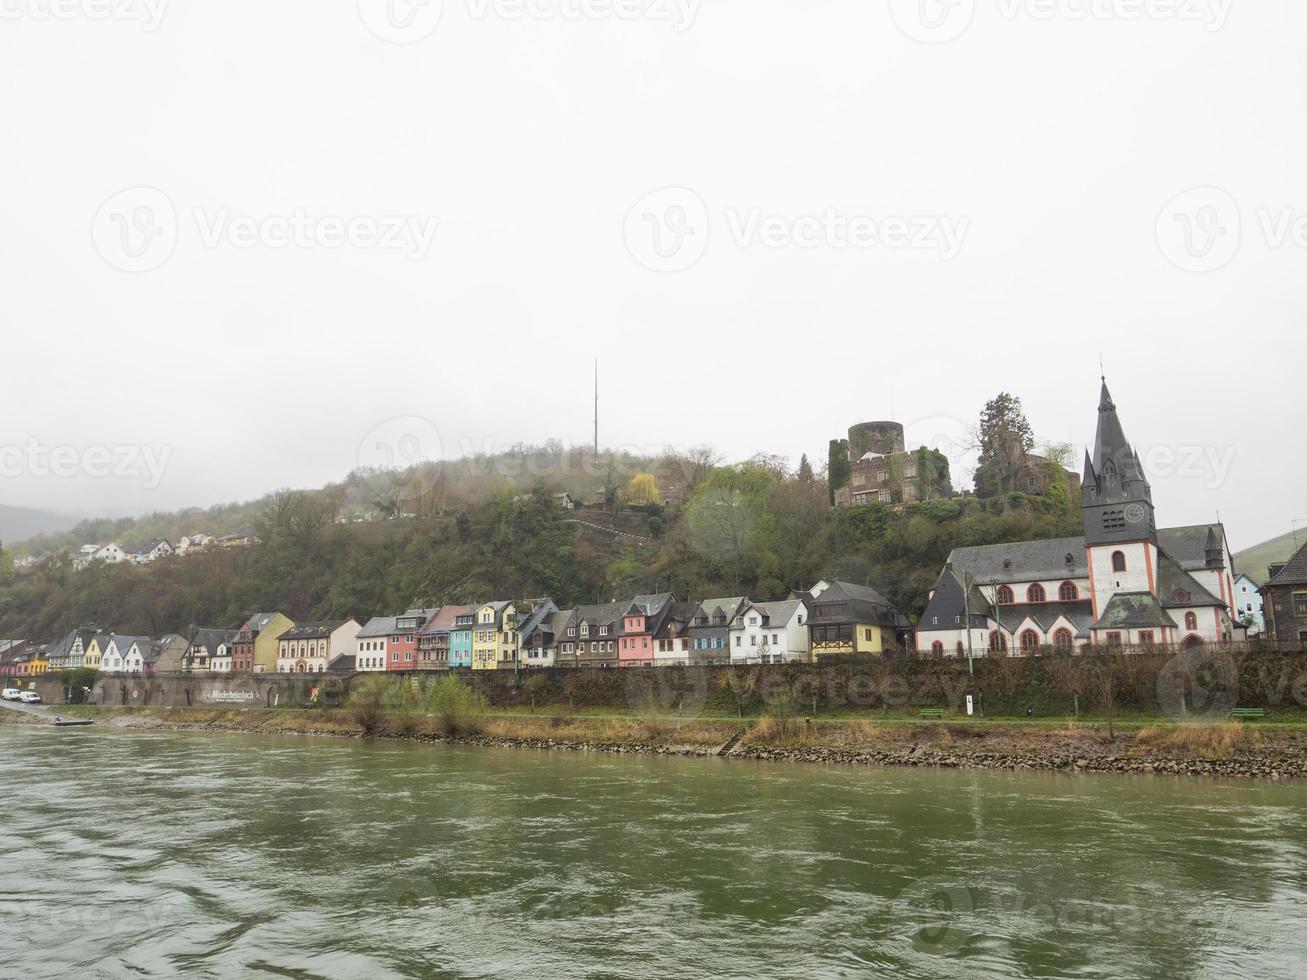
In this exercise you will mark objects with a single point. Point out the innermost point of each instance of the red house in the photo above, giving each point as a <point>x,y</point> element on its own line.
<point>402,644</point>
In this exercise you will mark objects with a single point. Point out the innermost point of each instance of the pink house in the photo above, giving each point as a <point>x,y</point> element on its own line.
<point>642,619</point>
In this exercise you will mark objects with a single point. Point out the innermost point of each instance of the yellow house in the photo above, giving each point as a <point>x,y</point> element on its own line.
<point>256,642</point>
<point>494,636</point>
<point>95,650</point>
<point>39,662</point>
<point>847,619</point>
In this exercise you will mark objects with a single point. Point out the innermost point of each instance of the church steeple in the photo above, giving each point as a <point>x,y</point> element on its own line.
<point>1115,495</point>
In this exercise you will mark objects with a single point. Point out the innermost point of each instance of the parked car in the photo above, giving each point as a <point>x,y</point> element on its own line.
<point>30,697</point>
<point>12,694</point>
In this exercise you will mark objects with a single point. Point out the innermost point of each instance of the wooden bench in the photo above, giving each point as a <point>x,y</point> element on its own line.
<point>1244,714</point>
<point>932,712</point>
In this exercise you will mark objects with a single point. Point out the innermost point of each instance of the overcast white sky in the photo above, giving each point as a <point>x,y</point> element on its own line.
<point>874,204</point>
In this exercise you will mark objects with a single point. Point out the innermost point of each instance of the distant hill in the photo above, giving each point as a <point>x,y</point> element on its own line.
<point>20,523</point>
<point>1253,561</point>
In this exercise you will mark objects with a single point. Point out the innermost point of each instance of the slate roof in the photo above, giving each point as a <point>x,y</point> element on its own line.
<point>947,602</point>
<point>312,631</point>
<point>1045,614</point>
<point>211,639</point>
<point>729,608</point>
<point>1172,578</point>
<point>1134,610</point>
<point>1294,571</point>
<point>259,621</point>
<point>342,664</point>
<point>1023,561</point>
<point>1188,545</point>
<point>775,613</point>
<point>377,626</point>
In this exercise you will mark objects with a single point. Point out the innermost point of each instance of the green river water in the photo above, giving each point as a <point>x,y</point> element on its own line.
<point>179,854</point>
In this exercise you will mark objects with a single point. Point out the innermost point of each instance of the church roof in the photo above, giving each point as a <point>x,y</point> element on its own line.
<point>1023,561</point>
<point>1080,614</point>
<point>1188,545</point>
<point>1172,578</point>
<point>1114,472</point>
<point>1134,610</point>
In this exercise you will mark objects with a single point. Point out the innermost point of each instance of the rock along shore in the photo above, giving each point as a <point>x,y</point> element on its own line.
<point>1287,759</point>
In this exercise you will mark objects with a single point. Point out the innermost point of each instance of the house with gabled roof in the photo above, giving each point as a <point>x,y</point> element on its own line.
<point>640,621</point>
<point>433,639</point>
<point>1284,602</point>
<point>710,628</point>
<point>671,635</point>
<point>254,648</point>
<point>770,633</point>
<point>590,636</point>
<point>373,641</point>
<point>125,654</point>
<point>846,618</point>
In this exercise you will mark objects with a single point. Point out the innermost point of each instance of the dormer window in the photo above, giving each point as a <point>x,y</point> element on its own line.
<point>1007,564</point>
<point>1070,558</point>
<point>1180,595</point>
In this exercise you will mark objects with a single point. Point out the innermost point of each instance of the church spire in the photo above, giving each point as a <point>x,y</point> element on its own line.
<point>1116,497</point>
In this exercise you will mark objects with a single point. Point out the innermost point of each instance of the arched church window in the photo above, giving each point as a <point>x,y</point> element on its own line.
<point>1068,592</point>
<point>1062,640</point>
<point>1190,621</point>
<point>1005,597</point>
<point>997,642</point>
<point>1036,593</point>
<point>1118,561</point>
<point>1029,641</point>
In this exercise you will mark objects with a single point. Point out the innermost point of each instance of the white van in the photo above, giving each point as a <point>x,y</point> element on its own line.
<point>12,694</point>
<point>30,697</point>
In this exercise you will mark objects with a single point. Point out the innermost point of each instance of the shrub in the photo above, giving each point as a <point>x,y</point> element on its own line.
<point>456,707</point>
<point>367,702</point>
<point>403,705</point>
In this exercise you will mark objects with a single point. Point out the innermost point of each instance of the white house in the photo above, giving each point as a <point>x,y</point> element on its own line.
<point>152,551</point>
<point>110,554</point>
<point>770,633</point>
<point>373,642</point>
<point>307,648</point>
<point>209,652</point>
<point>125,654</point>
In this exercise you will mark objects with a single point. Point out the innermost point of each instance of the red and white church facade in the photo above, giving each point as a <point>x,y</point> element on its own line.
<point>1124,583</point>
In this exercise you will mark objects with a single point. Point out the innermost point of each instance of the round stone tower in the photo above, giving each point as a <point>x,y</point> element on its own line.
<point>881,438</point>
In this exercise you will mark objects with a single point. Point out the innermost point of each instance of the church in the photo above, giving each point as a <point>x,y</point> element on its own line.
<point>1125,583</point>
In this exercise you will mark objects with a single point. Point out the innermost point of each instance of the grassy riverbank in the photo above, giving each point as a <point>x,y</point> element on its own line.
<point>1256,750</point>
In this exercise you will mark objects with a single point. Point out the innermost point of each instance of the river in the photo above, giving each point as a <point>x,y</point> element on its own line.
<point>165,854</point>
